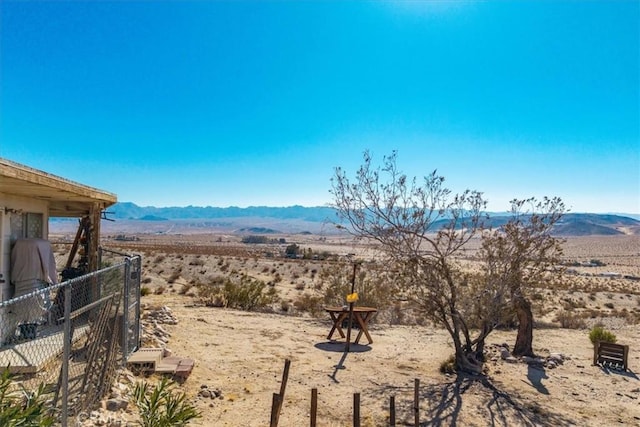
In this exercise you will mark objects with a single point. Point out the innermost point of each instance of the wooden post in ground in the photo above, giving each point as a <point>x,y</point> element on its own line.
<point>314,406</point>
<point>356,410</point>
<point>392,411</point>
<point>275,408</point>
<point>285,378</point>
<point>276,404</point>
<point>416,402</point>
<point>353,289</point>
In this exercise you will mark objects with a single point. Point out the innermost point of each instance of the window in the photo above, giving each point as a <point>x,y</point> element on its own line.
<point>28,224</point>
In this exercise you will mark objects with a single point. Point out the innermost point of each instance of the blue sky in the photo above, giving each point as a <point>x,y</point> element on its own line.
<point>240,103</point>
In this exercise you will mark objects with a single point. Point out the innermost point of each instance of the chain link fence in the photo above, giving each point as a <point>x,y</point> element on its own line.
<point>73,336</point>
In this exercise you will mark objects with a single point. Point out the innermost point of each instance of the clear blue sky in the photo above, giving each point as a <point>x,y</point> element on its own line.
<point>238,103</point>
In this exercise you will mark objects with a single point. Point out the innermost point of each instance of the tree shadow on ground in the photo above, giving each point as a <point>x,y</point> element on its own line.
<point>535,375</point>
<point>497,407</point>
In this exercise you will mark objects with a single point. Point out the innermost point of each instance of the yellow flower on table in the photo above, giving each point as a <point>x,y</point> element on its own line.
<point>352,297</point>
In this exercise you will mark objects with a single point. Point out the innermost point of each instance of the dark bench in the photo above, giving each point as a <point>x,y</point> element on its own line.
<point>609,354</point>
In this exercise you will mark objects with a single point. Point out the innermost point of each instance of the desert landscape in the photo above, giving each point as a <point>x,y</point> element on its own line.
<point>239,355</point>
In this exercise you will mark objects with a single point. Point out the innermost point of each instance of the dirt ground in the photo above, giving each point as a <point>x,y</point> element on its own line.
<point>242,354</point>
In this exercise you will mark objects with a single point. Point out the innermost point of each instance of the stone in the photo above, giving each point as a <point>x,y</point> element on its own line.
<point>114,405</point>
<point>557,358</point>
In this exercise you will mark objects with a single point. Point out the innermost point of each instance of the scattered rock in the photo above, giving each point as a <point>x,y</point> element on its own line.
<point>153,333</point>
<point>504,353</point>
<point>116,404</point>
<point>208,393</point>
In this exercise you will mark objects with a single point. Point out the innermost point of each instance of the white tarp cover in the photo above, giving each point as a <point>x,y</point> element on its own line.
<point>32,262</point>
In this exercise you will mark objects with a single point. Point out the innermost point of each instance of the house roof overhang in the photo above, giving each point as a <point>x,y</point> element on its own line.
<point>65,198</point>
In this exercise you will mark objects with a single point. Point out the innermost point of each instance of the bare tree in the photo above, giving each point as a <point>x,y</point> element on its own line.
<point>421,228</point>
<point>520,255</point>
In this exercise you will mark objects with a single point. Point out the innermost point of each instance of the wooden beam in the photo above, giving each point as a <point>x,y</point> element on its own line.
<point>94,237</point>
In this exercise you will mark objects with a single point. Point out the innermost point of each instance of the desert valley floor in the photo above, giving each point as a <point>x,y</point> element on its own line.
<point>241,354</point>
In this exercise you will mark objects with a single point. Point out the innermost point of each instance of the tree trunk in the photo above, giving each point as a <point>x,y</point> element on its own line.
<point>466,360</point>
<point>524,340</point>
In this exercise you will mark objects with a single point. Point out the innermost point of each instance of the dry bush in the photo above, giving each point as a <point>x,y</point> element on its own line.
<point>185,288</point>
<point>285,306</point>
<point>570,320</point>
<point>448,366</point>
<point>174,276</point>
<point>308,303</point>
<point>246,293</point>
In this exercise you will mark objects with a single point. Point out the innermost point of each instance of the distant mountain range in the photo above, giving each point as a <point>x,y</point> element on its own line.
<point>300,219</point>
<point>128,210</point>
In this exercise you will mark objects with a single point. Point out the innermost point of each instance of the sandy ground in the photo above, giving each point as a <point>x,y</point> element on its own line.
<point>243,354</point>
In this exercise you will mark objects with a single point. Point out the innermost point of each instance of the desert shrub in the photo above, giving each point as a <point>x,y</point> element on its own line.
<point>292,250</point>
<point>162,405</point>
<point>398,315</point>
<point>197,261</point>
<point>448,366</point>
<point>144,291</point>
<point>308,303</point>
<point>20,407</point>
<point>249,294</point>
<point>174,276</point>
<point>243,294</point>
<point>159,259</point>
<point>185,289</point>
<point>254,239</point>
<point>608,305</point>
<point>160,290</point>
<point>598,333</point>
<point>537,296</point>
<point>569,320</point>
<point>146,280</point>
